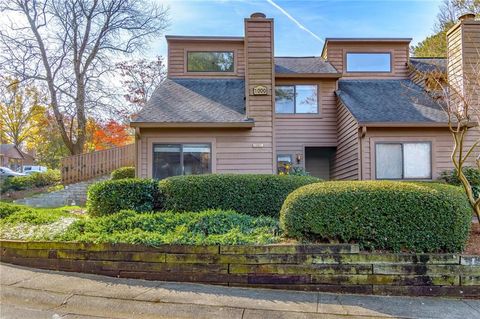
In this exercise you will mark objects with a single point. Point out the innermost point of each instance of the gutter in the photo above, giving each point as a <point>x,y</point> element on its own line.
<point>247,124</point>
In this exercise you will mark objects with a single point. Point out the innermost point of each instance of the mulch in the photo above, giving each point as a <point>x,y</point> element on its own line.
<point>473,245</point>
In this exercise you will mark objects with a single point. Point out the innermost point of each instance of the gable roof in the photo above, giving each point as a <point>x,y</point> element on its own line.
<point>11,151</point>
<point>429,64</point>
<point>185,100</point>
<point>389,101</point>
<point>303,65</point>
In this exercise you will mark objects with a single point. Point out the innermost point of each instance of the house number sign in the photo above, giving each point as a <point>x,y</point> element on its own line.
<point>260,90</point>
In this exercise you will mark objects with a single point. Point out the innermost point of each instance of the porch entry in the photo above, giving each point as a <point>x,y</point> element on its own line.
<point>318,161</point>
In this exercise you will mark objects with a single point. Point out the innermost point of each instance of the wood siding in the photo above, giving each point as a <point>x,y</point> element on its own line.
<point>233,150</point>
<point>335,53</point>
<point>441,139</point>
<point>471,61</point>
<point>346,162</point>
<point>259,51</point>
<point>177,56</point>
<point>294,132</point>
<point>455,60</point>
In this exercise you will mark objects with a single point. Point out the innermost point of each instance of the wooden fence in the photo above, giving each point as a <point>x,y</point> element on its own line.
<point>86,166</point>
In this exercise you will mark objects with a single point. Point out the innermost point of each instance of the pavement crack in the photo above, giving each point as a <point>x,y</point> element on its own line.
<point>243,313</point>
<point>476,310</point>
<point>318,301</point>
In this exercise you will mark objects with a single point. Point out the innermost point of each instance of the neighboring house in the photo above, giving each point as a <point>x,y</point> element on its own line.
<point>360,111</point>
<point>11,157</point>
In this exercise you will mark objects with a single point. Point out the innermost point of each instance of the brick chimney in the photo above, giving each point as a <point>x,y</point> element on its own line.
<point>463,44</point>
<point>260,80</point>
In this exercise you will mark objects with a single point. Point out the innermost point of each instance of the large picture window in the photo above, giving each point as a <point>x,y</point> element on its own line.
<point>296,99</point>
<point>403,160</point>
<point>210,61</point>
<point>369,62</point>
<point>181,159</point>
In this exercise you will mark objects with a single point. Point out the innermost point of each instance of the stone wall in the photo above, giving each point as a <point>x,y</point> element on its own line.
<point>331,268</point>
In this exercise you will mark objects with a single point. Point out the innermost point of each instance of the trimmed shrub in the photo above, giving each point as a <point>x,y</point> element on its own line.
<point>471,173</point>
<point>419,217</point>
<point>16,183</point>
<point>123,172</point>
<point>108,197</point>
<point>252,194</point>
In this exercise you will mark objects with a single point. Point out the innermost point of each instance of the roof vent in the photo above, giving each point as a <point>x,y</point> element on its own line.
<point>466,16</point>
<point>258,15</point>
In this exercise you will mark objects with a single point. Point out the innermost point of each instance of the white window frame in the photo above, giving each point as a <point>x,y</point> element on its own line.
<point>295,99</point>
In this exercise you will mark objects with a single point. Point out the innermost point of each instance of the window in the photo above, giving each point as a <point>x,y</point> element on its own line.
<point>300,99</point>
<point>403,160</point>
<point>180,159</point>
<point>210,61</point>
<point>369,62</point>
<point>283,161</point>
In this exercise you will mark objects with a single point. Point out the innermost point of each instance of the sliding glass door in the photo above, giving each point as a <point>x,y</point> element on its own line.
<point>181,159</point>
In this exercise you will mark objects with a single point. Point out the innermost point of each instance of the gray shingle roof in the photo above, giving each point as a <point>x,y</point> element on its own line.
<point>196,100</point>
<point>389,101</point>
<point>429,64</point>
<point>292,65</point>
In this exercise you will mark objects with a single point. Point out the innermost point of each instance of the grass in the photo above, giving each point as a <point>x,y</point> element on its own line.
<point>152,229</point>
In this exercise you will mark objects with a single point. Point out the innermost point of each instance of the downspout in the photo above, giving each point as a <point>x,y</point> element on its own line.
<point>362,133</point>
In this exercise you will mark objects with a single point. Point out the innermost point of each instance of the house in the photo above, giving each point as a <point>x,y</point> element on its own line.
<point>11,156</point>
<point>359,111</point>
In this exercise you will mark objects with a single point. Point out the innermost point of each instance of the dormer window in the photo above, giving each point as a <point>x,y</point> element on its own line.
<point>369,62</point>
<point>210,61</point>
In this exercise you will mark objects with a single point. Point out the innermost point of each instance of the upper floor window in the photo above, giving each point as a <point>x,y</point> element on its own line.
<point>210,61</point>
<point>369,62</point>
<point>296,99</point>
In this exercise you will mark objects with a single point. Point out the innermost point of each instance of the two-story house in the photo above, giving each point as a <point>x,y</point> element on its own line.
<point>356,112</point>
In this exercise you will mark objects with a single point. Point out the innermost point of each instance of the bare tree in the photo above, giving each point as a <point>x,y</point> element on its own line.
<point>450,10</point>
<point>68,46</point>
<point>140,78</point>
<point>459,95</point>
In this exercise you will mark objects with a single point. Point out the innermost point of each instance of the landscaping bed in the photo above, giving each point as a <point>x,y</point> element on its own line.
<point>362,237</point>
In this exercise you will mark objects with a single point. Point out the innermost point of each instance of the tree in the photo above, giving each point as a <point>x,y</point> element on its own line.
<point>436,44</point>
<point>20,105</point>
<point>460,98</point>
<point>67,45</point>
<point>46,141</point>
<point>110,134</point>
<point>140,78</point>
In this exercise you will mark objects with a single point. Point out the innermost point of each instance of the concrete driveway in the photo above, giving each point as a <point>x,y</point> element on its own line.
<point>32,293</point>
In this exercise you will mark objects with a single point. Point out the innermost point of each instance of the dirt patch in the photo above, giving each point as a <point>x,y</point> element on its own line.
<point>473,245</point>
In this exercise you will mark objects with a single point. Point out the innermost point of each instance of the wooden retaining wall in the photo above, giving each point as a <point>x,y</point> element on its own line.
<point>331,268</point>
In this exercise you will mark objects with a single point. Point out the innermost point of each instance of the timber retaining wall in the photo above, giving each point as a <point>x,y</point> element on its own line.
<point>330,268</point>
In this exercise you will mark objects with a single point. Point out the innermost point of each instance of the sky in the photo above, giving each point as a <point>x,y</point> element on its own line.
<point>302,26</point>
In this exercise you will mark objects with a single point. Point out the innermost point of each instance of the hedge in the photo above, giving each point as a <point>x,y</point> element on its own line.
<point>471,173</point>
<point>419,217</point>
<point>111,196</point>
<point>123,172</point>
<point>16,183</point>
<point>252,194</point>
<point>7,209</point>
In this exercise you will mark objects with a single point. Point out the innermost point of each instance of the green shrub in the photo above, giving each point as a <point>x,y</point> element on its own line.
<point>199,228</point>
<point>471,173</point>
<point>13,214</point>
<point>108,197</point>
<point>48,178</point>
<point>6,209</point>
<point>420,217</point>
<point>123,172</point>
<point>252,194</point>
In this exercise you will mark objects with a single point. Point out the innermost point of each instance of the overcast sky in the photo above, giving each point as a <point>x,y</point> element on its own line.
<point>301,26</point>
